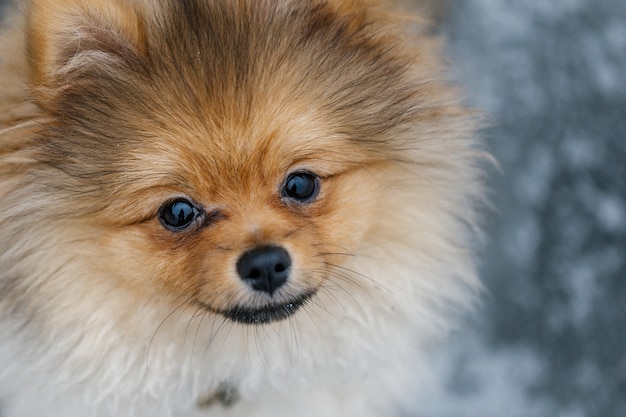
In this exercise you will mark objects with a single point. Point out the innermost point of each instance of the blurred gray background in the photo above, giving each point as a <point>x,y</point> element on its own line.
<point>550,337</point>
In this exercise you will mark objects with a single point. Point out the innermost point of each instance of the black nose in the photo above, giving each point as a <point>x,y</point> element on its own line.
<point>264,268</point>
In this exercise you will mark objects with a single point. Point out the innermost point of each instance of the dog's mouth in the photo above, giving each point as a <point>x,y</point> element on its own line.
<point>269,313</point>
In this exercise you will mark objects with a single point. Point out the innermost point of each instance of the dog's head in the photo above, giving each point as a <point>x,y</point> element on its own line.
<point>230,155</point>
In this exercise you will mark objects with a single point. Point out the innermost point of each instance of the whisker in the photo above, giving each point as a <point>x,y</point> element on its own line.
<point>161,325</point>
<point>195,337</point>
<point>349,294</point>
<point>331,272</point>
<point>326,244</point>
<point>341,251</point>
<point>330,294</point>
<point>293,339</point>
<point>259,349</point>
<point>318,302</point>
<point>346,254</point>
<point>310,314</point>
<point>230,329</point>
<point>298,229</point>
<point>370,279</point>
<point>197,313</point>
<point>352,255</point>
<point>214,335</point>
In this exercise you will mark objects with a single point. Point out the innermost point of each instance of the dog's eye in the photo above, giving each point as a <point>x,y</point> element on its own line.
<point>178,214</point>
<point>301,186</point>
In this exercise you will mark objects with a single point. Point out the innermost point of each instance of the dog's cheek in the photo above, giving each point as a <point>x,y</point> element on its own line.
<point>150,267</point>
<point>349,209</point>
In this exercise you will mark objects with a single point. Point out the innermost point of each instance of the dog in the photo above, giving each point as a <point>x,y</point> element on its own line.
<point>228,207</point>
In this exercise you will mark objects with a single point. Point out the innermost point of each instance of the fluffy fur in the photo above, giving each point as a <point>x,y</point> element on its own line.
<point>110,108</point>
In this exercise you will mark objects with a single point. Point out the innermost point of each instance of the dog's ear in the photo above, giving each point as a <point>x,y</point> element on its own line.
<point>67,36</point>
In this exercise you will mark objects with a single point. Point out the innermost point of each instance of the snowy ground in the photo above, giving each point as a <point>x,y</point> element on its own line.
<point>550,340</point>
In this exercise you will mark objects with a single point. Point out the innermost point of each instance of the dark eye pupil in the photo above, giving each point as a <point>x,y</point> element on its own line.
<point>301,186</point>
<point>178,214</point>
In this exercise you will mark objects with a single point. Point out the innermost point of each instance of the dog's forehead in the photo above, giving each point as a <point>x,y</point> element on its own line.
<point>260,154</point>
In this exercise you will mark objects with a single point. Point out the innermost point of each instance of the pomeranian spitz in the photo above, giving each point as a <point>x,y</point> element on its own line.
<point>227,208</point>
